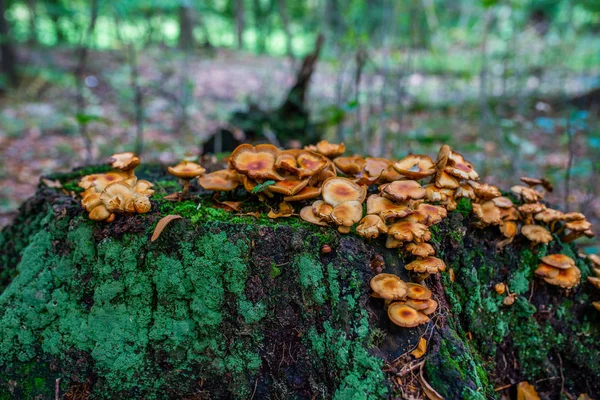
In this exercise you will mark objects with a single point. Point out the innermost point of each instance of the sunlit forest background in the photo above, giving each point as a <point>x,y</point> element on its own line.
<point>514,85</point>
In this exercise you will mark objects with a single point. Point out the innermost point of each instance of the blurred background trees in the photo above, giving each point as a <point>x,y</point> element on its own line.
<point>514,84</point>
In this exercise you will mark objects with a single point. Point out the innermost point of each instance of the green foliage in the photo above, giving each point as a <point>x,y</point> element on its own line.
<point>262,186</point>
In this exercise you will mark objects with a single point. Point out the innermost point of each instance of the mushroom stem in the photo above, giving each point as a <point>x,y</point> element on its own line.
<point>553,225</point>
<point>422,277</point>
<point>186,187</point>
<point>571,237</point>
<point>561,229</point>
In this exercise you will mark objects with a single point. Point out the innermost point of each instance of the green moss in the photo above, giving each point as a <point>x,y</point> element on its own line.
<point>311,278</point>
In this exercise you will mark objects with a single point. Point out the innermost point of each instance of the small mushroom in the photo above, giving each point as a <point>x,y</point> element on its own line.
<point>420,249</point>
<point>459,167</point>
<point>371,226</point>
<point>388,286</point>
<point>350,165</point>
<point>406,316</point>
<point>559,261</point>
<point>386,208</point>
<point>485,191</point>
<point>427,214</point>
<point>330,150</point>
<point>346,214</point>
<point>465,191</point>
<point>255,162</point>
<point>488,213</point>
<point>403,190</point>
<point>308,215</point>
<point>415,166</point>
<point>288,188</point>
<point>125,162</point>
<point>430,265</point>
<point>500,288</point>
<point>408,231</point>
<point>566,278</point>
<point>337,191</point>
<point>307,193</point>
<point>546,271</point>
<point>528,194</point>
<point>186,171</point>
<point>418,292</point>
<point>549,216</point>
<point>536,234</point>
<point>223,180</point>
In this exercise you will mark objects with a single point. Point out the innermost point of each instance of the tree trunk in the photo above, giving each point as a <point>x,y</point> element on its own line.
<point>31,7</point>
<point>186,27</point>
<point>259,25</point>
<point>240,22</point>
<point>231,306</point>
<point>8,58</point>
<point>285,20</point>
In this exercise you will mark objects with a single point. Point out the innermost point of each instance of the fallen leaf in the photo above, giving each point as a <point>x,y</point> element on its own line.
<point>421,348</point>
<point>172,197</point>
<point>232,205</point>
<point>162,224</point>
<point>285,210</point>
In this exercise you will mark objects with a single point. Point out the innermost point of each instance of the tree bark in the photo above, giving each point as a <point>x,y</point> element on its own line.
<point>240,22</point>
<point>285,20</point>
<point>8,58</point>
<point>186,27</point>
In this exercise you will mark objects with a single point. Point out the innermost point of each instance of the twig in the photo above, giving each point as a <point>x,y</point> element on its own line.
<point>502,387</point>
<point>410,368</point>
<point>562,376</point>
<point>569,165</point>
<point>57,389</point>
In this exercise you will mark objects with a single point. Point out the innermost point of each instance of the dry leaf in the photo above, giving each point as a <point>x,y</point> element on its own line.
<point>421,348</point>
<point>162,224</point>
<point>430,392</point>
<point>172,197</point>
<point>51,184</point>
<point>285,210</point>
<point>254,214</point>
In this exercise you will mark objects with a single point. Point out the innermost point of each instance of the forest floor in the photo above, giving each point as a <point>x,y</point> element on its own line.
<point>39,132</point>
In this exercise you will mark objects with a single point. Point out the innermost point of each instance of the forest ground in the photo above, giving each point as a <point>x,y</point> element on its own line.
<point>523,136</point>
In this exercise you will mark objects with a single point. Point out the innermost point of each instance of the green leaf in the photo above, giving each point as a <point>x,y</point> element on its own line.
<point>85,119</point>
<point>262,186</point>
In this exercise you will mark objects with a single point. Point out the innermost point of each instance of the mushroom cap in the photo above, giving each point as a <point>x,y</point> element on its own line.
<point>573,216</point>
<point>307,193</point>
<point>500,288</point>
<point>307,214</point>
<point>255,162</point>
<point>391,243</point>
<point>371,226</point>
<point>375,166</point>
<point>594,281</point>
<point>322,210</point>
<point>549,215</point>
<point>427,214</point>
<point>485,191</point>
<point>526,391</point>
<point>546,271</point>
<point>430,265</point>
<point>347,214</point>
<point>559,261</point>
<point>408,231</point>
<point>417,292</point>
<point>388,286</point>
<point>465,191</point>
<point>223,180</point>
<point>420,249</point>
<point>595,259</point>
<point>144,187</point>
<point>386,208</point>
<point>510,214</point>
<point>330,150</point>
<point>581,225</point>
<point>509,229</point>
<point>389,175</point>
<point>286,160</point>
<point>186,170</point>
<point>415,166</point>
<point>126,161</point>
<point>405,316</point>
<point>341,190</point>
<point>433,305</point>
<point>528,194</point>
<point>288,188</point>
<point>488,212</point>
<point>434,193</point>
<point>99,213</point>
<point>310,163</point>
<point>403,190</point>
<point>442,157</point>
<point>502,202</point>
<point>566,278</point>
<point>100,181</point>
<point>536,234</point>
<point>531,182</point>
<point>350,165</point>
<point>418,305</point>
<point>532,208</point>
<point>91,201</point>
<point>141,203</point>
<point>459,167</point>
<point>445,180</point>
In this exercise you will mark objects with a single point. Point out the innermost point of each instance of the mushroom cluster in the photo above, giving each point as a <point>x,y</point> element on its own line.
<point>264,170</point>
<point>116,191</point>
<point>595,280</point>
<point>559,270</point>
<point>408,304</point>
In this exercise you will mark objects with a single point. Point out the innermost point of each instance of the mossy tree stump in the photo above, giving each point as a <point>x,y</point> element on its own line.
<point>233,306</point>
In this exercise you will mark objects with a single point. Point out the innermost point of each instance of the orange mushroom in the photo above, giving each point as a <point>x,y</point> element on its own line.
<point>255,162</point>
